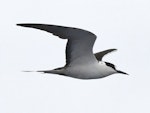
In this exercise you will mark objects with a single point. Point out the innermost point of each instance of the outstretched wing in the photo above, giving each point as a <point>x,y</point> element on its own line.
<point>79,49</point>
<point>101,54</point>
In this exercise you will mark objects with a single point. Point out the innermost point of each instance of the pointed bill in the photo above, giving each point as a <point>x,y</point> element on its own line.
<point>121,72</point>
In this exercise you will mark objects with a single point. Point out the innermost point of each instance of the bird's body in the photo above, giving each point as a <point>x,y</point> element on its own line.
<point>90,71</point>
<point>80,61</point>
<point>85,71</point>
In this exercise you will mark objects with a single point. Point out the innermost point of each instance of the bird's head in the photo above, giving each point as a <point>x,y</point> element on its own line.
<point>112,66</point>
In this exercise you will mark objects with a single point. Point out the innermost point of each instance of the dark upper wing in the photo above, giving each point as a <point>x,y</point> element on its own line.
<point>80,42</point>
<point>101,54</point>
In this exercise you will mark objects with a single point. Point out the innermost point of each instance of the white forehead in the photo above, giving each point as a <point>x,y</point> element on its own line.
<point>102,63</point>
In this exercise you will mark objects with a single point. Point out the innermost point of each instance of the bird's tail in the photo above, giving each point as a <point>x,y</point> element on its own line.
<point>55,71</point>
<point>42,71</point>
<point>47,71</point>
<point>28,71</point>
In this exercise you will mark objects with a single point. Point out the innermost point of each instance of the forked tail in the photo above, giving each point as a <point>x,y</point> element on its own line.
<point>60,72</point>
<point>28,71</point>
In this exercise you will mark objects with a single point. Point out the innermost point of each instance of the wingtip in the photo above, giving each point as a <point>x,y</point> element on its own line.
<point>114,49</point>
<point>23,25</point>
<point>31,25</point>
<point>19,24</point>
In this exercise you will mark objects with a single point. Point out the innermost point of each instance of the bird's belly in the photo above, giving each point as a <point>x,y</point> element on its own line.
<point>85,72</point>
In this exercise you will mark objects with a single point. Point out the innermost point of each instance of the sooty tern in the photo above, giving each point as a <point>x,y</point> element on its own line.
<point>80,61</point>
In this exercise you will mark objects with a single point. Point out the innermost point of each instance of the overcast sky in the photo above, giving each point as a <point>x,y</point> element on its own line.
<point>120,24</point>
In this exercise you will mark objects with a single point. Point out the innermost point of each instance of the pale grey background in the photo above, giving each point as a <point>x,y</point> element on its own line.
<point>121,24</point>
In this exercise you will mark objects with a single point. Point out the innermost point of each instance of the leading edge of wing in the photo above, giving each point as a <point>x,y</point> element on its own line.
<point>60,31</point>
<point>80,42</point>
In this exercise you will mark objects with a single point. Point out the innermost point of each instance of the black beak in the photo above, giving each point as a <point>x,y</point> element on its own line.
<point>121,72</point>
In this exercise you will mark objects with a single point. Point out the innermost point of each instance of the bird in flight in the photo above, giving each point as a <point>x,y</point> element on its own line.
<point>81,63</point>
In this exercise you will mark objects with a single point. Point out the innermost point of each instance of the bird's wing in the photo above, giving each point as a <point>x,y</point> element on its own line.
<point>101,54</point>
<point>79,49</point>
